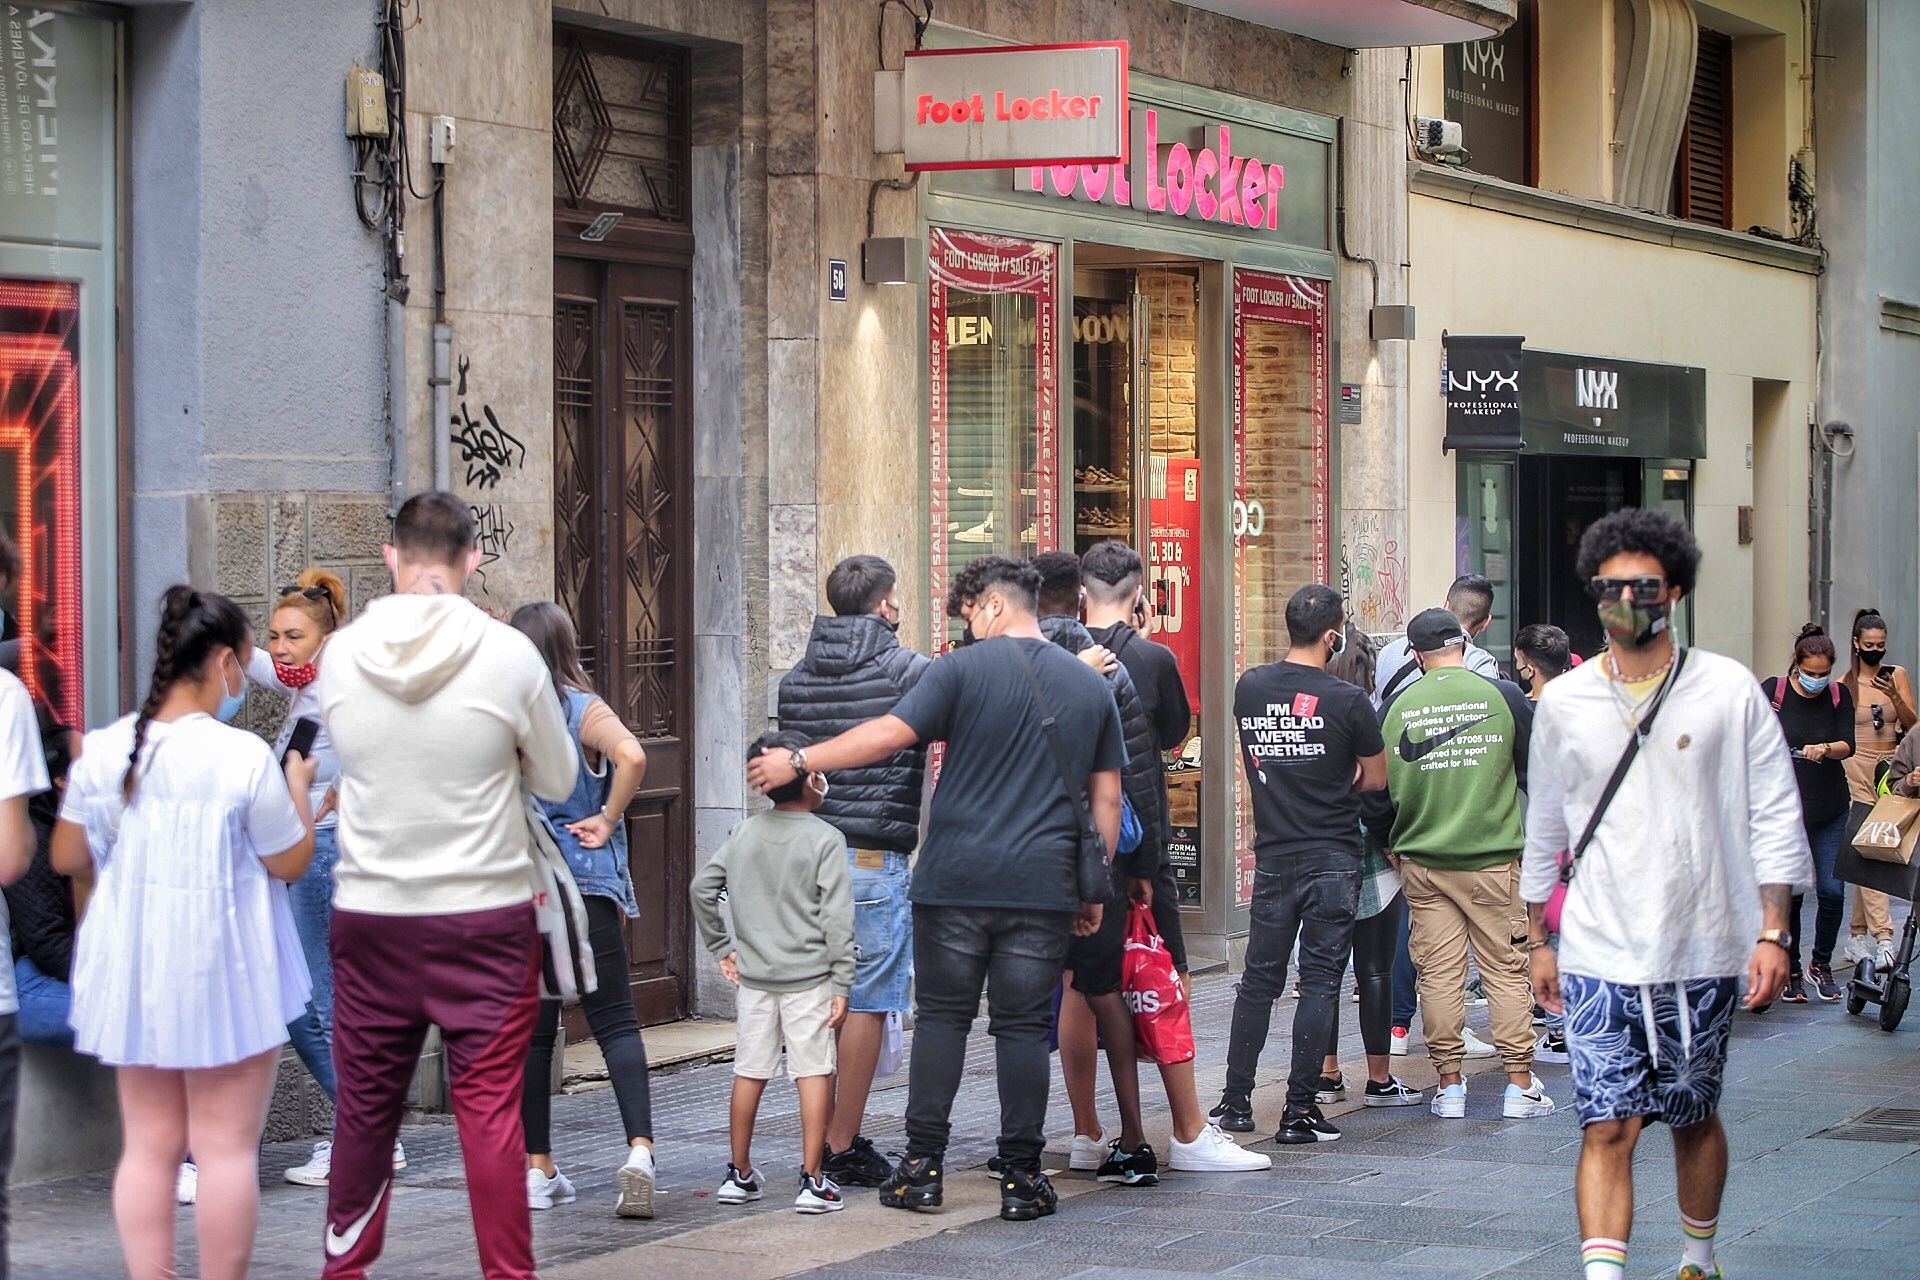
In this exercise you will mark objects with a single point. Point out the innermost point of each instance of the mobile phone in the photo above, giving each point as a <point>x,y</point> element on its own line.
<point>305,730</point>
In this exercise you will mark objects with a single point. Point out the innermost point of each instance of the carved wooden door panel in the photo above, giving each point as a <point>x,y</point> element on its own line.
<point>623,568</point>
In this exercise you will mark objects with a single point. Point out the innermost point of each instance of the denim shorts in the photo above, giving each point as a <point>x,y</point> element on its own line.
<point>882,937</point>
<point>1632,1055</point>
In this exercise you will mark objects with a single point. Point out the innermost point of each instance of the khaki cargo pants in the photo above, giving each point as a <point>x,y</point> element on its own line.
<point>1450,911</point>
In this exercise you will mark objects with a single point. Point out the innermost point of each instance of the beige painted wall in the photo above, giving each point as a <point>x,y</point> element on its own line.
<point>1565,289</point>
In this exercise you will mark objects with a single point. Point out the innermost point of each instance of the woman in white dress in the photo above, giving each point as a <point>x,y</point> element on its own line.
<point>187,968</point>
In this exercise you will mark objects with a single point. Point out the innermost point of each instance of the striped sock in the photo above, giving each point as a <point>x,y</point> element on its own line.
<point>1604,1259</point>
<point>1699,1244</point>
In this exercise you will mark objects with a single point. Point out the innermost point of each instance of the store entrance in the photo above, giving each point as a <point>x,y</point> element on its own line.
<point>1136,469</point>
<point>1557,498</point>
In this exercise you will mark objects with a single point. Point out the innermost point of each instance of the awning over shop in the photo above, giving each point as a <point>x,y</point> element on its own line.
<point>1368,24</point>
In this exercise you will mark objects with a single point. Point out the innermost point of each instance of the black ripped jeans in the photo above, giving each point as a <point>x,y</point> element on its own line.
<point>615,1026</point>
<point>1310,896</point>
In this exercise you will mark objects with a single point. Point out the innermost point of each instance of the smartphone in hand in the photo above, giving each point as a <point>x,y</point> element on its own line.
<point>305,730</point>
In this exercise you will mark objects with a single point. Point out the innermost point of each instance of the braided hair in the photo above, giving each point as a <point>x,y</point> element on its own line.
<point>192,625</point>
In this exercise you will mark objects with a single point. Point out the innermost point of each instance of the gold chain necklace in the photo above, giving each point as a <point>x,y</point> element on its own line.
<point>1633,709</point>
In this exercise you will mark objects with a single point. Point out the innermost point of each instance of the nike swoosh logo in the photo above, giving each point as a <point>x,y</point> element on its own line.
<point>1413,752</point>
<point>339,1246</point>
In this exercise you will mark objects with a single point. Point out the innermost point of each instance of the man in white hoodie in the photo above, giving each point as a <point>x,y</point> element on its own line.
<point>1683,869</point>
<point>441,716</point>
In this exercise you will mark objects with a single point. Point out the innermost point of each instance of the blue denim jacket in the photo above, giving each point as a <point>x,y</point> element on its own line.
<point>603,871</point>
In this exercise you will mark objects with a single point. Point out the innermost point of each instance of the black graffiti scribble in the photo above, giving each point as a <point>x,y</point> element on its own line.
<point>486,450</point>
<point>465,363</point>
<point>493,534</point>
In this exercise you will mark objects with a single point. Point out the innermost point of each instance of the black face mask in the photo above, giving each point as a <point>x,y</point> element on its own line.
<point>1871,657</point>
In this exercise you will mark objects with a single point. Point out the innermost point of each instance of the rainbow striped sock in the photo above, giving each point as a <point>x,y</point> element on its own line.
<point>1603,1259</point>
<point>1699,1243</point>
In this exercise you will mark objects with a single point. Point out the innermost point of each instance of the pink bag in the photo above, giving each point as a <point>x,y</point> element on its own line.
<point>1557,900</point>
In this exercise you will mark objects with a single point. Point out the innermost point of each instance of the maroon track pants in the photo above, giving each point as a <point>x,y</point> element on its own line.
<point>476,976</point>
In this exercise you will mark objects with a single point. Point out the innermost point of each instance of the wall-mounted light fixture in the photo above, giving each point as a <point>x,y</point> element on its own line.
<point>891,259</point>
<point>1391,322</point>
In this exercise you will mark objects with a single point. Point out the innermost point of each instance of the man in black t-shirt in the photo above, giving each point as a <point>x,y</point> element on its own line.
<point>994,890</point>
<point>1310,744</point>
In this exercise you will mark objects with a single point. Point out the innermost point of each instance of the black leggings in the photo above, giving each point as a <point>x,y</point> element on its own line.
<point>610,1013</point>
<point>1374,942</point>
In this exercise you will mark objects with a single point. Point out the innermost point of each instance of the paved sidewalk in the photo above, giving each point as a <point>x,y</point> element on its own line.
<point>1433,1198</point>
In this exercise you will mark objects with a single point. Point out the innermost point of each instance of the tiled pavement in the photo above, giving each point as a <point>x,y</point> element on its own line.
<point>1480,1197</point>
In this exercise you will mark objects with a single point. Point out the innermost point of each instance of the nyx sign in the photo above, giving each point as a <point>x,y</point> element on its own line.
<point>1483,392</point>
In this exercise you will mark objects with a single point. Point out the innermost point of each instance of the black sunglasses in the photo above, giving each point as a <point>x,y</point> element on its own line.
<point>1645,590</point>
<point>311,593</point>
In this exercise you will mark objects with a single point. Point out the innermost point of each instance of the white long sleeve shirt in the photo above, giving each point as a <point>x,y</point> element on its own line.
<point>1669,888</point>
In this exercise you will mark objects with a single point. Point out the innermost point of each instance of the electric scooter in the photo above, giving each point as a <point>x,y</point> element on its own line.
<point>1888,988</point>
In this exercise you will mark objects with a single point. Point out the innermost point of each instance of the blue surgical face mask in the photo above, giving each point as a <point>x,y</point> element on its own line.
<point>1813,684</point>
<point>231,703</point>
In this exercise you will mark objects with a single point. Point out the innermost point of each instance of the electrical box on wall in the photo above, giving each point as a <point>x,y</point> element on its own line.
<point>441,144</point>
<point>366,103</point>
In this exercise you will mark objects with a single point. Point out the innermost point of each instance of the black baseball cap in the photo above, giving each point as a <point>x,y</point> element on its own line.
<point>1433,630</point>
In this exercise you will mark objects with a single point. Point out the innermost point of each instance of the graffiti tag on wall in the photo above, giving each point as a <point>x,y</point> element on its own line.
<point>1373,573</point>
<point>487,449</point>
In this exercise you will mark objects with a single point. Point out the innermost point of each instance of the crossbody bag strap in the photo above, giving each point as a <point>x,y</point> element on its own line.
<point>1399,681</point>
<point>1626,762</point>
<point>1051,728</point>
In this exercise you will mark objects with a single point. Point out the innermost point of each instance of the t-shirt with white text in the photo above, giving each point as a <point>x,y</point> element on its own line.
<point>1302,732</point>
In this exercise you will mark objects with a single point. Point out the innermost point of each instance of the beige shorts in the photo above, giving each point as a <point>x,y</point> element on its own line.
<point>763,1019</point>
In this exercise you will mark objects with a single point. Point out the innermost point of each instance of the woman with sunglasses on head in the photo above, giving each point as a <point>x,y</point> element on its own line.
<point>186,966</point>
<point>1883,711</point>
<point>590,828</point>
<point>1817,716</point>
<point>309,610</point>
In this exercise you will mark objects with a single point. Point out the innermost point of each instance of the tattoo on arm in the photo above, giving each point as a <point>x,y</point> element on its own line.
<point>1776,900</point>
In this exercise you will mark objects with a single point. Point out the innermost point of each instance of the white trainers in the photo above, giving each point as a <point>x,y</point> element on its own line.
<point>544,1192</point>
<point>1551,1048</point>
<point>1883,957</point>
<point>1398,1042</point>
<point>1857,948</point>
<point>317,1169</point>
<point>1088,1153</point>
<point>1475,1046</point>
<point>1450,1103</point>
<point>399,1157</point>
<point>1527,1104</point>
<point>636,1185</point>
<point>186,1186</point>
<point>1214,1152</point>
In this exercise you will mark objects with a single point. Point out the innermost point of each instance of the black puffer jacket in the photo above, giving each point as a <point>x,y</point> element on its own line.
<point>1140,779</point>
<point>855,669</point>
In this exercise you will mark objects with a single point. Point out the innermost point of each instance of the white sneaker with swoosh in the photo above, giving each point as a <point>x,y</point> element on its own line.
<point>339,1244</point>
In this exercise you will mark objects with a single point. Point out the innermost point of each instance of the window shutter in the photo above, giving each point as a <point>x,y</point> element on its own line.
<point>1703,171</point>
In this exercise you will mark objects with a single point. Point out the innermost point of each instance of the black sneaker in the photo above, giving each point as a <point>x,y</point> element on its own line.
<point>1394,1093</point>
<point>1823,984</point>
<point>1299,1127</point>
<point>858,1166</point>
<point>1330,1089</point>
<point>1539,1016</point>
<point>1233,1114</point>
<point>1139,1168</point>
<point>1025,1196</point>
<point>1796,992</point>
<point>913,1184</point>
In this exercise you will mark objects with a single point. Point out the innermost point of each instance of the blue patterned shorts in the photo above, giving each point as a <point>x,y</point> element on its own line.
<point>1618,1072</point>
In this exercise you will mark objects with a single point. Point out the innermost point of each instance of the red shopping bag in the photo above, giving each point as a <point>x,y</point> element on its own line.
<point>1162,1024</point>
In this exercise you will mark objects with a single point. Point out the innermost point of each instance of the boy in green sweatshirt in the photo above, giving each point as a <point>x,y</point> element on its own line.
<point>1456,760</point>
<point>790,953</point>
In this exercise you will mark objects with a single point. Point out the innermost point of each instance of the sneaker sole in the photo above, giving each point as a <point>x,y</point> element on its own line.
<point>1130,1179</point>
<point>1530,1112</point>
<point>549,1202</point>
<point>1025,1212</point>
<point>917,1202</point>
<point>1314,1141</point>
<point>1440,1114</point>
<point>305,1179</point>
<point>817,1207</point>
<point>1329,1096</point>
<point>1232,1124</point>
<point>636,1195</point>
<point>1375,1100</point>
<point>739,1199</point>
<point>1255,1164</point>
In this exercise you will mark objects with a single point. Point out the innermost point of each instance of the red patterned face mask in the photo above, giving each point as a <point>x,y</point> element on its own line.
<point>295,677</point>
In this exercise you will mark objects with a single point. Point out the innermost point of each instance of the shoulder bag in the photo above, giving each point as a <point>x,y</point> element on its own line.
<point>1093,874</point>
<point>1569,859</point>
<point>567,970</point>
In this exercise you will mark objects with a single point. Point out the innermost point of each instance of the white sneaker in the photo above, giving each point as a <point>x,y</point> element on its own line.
<point>1856,949</point>
<point>1398,1046</point>
<point>1551,1048</point>
<point>636,1185</point>
<point>186,1187</point>
<point>1475,1046</point>
<point>1450,1103</point>
<point>1527,1104</point>
<point>1883,957</point>
<point>544,1192</point>
<point>1214,1152</point>
<point>1088,1153</point>
<point>316,1170</point>
<point>399,1157</point>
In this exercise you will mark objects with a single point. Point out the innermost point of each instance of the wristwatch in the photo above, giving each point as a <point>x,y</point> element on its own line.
<point>797,758</point>
<point>1778,937</point>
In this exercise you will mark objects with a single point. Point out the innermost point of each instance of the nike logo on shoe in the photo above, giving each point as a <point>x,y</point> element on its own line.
<point>338,1245</point>
<point>1413,752</point>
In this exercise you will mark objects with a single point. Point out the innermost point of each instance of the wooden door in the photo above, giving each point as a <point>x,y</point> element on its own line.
<point>623,548</point>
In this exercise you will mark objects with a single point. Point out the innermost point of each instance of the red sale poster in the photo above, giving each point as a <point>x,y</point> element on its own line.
<point>1173,566</point>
